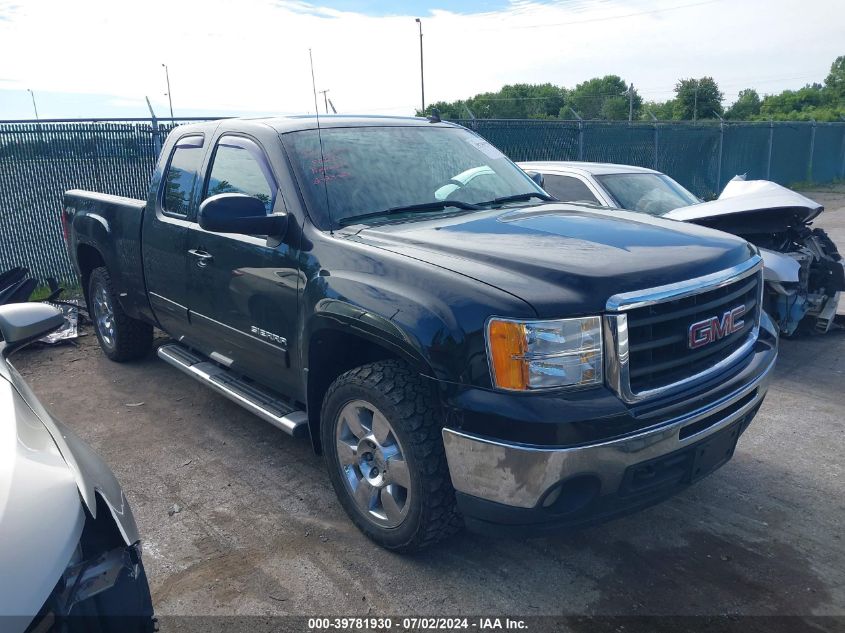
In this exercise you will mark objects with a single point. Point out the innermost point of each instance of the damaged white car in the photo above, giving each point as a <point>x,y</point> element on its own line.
<point>70,555</point>
<point>804,272</point>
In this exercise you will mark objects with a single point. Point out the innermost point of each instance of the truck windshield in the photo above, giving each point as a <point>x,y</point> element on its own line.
<point>366,170</point>
<point>654,194</point>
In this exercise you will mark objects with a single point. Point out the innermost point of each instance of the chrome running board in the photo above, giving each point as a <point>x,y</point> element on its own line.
<point>252,397</point>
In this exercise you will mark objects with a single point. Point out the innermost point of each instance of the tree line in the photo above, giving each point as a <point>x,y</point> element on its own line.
<point>611,98</point>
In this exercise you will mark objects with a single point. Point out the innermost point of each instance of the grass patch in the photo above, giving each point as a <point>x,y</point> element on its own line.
<point>806,185</point>
<point>73,291</point>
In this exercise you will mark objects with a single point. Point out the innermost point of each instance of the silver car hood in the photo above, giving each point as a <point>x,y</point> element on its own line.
<point>41,513</point>
<point>49,477</point>
<point>748,197</point>
<point>93,477</point>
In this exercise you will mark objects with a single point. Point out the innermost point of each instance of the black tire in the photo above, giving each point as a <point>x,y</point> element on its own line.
<point>411,408</point>
<point>130,339</point>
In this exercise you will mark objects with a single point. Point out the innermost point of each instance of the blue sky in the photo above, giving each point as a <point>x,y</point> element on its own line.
<point>100,58</point>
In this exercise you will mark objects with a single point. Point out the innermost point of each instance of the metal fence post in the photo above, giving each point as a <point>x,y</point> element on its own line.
<point>580,139</point>
<point>721,145</point>
<point>656,142</point>
<point>771,139</point>
<point>654,118</point>
<point>812,150</point>
<point>580,133</point>
<point>156,130</point>
<point>96,147</point>
<point>842,170</point>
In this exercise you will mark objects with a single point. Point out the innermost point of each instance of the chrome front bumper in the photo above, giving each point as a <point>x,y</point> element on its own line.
<point>520,476</point>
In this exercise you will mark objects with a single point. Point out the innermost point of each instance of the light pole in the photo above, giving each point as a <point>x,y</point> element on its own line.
<point>34,107</point>
<point>422,73</point>
<point>169,98</point>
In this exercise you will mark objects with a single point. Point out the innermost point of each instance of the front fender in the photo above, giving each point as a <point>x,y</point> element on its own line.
<point>427,315</point>
<point>92,475</point>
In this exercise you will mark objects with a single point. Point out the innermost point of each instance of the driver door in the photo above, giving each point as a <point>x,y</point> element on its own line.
<point>242,289</point>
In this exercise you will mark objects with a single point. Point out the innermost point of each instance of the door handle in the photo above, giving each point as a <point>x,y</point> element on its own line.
<point>203,258</point>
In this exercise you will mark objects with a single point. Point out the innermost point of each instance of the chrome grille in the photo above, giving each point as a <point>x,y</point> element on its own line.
<point>658,335</point>
<point>648,331</point>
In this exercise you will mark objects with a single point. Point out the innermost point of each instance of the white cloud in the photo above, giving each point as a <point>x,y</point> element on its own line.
<point>253,54</point>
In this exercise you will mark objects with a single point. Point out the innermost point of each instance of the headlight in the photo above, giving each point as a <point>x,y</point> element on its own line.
<point>527,355</point>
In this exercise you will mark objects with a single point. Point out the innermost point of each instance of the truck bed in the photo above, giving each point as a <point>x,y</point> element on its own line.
<point>111,226</point>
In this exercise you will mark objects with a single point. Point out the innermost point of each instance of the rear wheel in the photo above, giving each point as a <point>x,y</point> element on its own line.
<point>381,436</point>
<point>121,337</point>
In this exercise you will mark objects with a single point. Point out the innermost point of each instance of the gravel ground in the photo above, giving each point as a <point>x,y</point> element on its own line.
<point>259,531</point>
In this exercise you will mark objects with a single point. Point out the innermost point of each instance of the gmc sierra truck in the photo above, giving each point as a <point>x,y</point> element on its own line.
<point>461,347</point>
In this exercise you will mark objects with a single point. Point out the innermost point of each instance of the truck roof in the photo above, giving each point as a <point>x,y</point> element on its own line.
<point>295,123</point>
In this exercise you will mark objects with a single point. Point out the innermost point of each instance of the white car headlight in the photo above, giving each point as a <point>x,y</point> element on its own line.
<point>526,355</point>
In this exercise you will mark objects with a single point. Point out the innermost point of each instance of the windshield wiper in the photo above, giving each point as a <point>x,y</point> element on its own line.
<point>438,205</point>
<point>520,197</point>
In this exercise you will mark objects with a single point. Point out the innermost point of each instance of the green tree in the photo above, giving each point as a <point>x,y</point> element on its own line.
<point>794,105</point>
<point>834,83</point>
<point>603,98</point>
<point>519,101</point>
<point>450,111</point>
<point>513,101</point>
<point>697,99</point>
<point>662,110</point>
<point>746,106</point>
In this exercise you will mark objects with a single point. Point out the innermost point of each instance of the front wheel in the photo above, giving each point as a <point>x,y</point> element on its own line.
<point>381,437</point>
<point>121,337</point>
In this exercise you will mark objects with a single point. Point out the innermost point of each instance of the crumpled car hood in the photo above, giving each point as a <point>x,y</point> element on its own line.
<point>751,197</point>
<point>41,513</point>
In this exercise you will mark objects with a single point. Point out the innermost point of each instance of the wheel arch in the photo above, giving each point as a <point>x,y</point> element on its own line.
<point>88,257</point>
<point>336,345</point>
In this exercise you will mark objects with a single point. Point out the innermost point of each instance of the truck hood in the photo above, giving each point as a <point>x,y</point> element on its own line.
<point>41,513</point>
<point>563,259</point>
<point>753,201</point>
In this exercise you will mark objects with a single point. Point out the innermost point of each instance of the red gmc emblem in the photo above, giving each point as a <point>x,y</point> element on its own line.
<point>714,329</point>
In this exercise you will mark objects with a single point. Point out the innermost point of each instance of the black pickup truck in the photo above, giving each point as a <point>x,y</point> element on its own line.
<point>461,347</point>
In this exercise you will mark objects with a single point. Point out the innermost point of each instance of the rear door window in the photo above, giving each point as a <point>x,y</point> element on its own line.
<point>568,189</point>
<point>239,166</point>
<point>182,175</point>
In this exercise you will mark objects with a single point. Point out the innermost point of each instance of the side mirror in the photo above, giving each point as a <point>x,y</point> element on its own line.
<point>537,177</point>
<point>240,213</point>
<point>22,323</point>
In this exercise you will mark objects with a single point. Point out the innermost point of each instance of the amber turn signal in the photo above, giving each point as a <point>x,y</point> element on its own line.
<point>507,343</point>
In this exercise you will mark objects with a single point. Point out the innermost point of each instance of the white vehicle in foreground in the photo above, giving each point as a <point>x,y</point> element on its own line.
<point>804,273</point>
<point>70,555</point>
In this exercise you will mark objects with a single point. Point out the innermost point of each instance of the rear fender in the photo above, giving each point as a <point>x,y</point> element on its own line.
<point>114,233</point>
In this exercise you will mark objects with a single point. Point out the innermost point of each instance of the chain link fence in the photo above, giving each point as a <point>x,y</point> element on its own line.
<point>40,160</point>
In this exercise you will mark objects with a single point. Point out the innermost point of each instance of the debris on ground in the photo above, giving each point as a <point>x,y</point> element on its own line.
<point>16,286</point>
<point>70,329</point>
<point>174,509</point>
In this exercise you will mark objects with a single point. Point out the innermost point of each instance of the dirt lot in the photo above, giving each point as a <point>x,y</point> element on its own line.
<point>260,531</point>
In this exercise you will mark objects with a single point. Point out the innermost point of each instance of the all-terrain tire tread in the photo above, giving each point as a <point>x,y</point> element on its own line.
<point>133,338</point>
<point>422,422</point>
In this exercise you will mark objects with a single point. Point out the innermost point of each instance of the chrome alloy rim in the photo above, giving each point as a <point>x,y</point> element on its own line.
<point>373,465</point>
<point>104,316</point>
